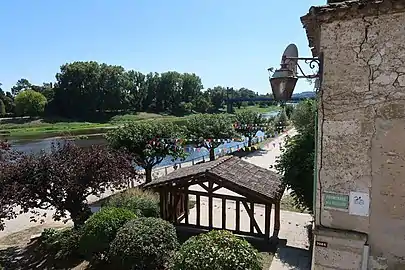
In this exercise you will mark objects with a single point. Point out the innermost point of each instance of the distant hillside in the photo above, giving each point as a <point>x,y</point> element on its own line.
<point>306,94</point>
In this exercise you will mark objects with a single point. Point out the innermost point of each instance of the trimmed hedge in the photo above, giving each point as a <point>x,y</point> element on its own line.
<point>217,250</point>
<point>142,203</point>
<point>100,229</point>
<point>64,244</point>
<point>144,243</point>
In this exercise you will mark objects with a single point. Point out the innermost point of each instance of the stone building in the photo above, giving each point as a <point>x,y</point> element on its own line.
<point>360,170</point>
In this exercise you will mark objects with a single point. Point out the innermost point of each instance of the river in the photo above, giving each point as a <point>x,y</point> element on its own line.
<point>36,146</point>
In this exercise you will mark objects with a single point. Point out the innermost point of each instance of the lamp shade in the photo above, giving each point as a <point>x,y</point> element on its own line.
<point>282,84</point>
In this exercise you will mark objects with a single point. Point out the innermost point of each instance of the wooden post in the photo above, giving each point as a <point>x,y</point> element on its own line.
<point>276,219</point>
<point>252,208</point>
<point>252,218</point>
<point>210,208</point>
<point>186,207</point>
<point>237,220</point>
<point>198,205</point>
<point>223,213</point>
<point>161,203</point>
<point>267,216</point>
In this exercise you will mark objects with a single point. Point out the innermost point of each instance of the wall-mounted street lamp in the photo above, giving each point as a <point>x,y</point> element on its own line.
<point>283,80</point>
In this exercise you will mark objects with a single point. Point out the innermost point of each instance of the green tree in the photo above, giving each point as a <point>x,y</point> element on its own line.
<point>289,109</point>
<point>202,103</point>
<point>296,163</point>
<point>210,130</point>
<point>148,143</point>
<point>281,121</point>
<point>30,103</point>
<point>248,123</point>
<point>2,108</point>
<point>21,85</point>
<point>217,96</point>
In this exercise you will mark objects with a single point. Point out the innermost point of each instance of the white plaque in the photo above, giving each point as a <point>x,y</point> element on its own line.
<point>359,204</point>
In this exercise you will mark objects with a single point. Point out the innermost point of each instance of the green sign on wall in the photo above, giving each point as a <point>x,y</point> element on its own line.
<point>338,201</point>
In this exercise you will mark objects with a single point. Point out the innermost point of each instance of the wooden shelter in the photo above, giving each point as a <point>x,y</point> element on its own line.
<point>244,184</point>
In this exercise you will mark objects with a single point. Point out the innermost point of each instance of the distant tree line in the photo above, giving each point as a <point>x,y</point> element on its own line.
<point>86,89</point>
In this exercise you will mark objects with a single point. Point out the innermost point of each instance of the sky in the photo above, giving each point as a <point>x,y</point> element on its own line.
<point>225,42</point>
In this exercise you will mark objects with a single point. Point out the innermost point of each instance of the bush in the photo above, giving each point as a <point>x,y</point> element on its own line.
<point>64,244</point>
<point>144,243</point>
<point>100,229</point>
<point>142,203</point>
<point>219,250</point>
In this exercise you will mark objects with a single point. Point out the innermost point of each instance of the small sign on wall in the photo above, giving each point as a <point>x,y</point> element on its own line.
<point>359,204</point>
<point>336,201</point>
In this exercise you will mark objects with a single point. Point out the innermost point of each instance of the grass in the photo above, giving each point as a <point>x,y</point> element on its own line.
<point>47,128</point>
<point>257,109</point>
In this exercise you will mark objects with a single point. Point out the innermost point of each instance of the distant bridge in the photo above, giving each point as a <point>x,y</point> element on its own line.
<point>230,101</point>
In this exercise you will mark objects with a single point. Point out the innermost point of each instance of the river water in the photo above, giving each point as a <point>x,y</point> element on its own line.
<point>36,146</point>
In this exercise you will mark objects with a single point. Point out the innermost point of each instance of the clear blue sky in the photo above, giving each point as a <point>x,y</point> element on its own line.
<point>225,42</point>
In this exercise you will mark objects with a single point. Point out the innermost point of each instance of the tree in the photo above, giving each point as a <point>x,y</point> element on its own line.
<point>248,123</point>
<point>30,103</point>
<point>289,109</point>
<point>21,85</point>
<point>64,177</point>
<point>296,163</point>
<point>210,130</point>
<point>148,143</point>
<point>281,121</point>
<point>2,108</point>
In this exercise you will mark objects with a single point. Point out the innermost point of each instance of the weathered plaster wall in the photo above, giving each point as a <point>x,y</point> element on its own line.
<point>362,127</point>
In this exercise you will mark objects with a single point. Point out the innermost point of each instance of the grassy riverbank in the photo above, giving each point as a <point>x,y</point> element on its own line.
<point>46,128</point>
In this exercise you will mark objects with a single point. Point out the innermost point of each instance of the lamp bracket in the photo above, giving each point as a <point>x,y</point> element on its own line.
<point>312,62</point>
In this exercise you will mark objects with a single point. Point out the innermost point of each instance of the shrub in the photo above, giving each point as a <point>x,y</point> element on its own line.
<point>144,243</point>
<point>219,250</point>
<point>100,229</point>
<point>142,203</point>
<point>64,244</point>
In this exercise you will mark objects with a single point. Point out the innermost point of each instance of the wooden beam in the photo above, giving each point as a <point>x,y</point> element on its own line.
<point>216,188</point>
<point>222,196</point>
<point>267,217</point>
<point>198,205</point>
<point>252,218</point>
<point>234,231</point>
<point>223,214</point>
<point>237,219</point>
<point>276,220</point>
<point>210,208</point>
<point>161,203</point>
<point>201,184</point>
<point>175,207</point>
<point>186,208</point>
<point>252,207</point>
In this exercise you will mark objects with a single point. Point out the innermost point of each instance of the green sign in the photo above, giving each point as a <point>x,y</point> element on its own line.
<point>336,201</point>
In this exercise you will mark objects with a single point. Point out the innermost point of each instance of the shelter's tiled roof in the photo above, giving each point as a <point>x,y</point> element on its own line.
<point>234,170</point>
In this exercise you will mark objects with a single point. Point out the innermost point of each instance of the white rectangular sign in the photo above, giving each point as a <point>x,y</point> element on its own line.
<point>359,204</point>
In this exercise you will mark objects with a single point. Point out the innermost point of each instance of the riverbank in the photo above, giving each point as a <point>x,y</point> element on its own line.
<point>29,129</point>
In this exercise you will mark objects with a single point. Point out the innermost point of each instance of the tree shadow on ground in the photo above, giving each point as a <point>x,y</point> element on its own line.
<point>33,256</point>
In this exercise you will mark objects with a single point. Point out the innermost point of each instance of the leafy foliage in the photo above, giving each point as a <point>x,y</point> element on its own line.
<point>142,203</point>
<point>63,244</point>
<point>219,250</point>
<point>2,108</point>
<point>281,120</point>
<point>30,102</point>
<point>148,143</point>
<point>144,244</point>
<point>289,109</point>
<point>248,123</point>
<point>209,130</point>
<point>296,164</point>
<point>63,179</point>
<point>101,228</point>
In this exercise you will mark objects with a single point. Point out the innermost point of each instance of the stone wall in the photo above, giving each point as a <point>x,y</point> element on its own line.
<point>362,128</point>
